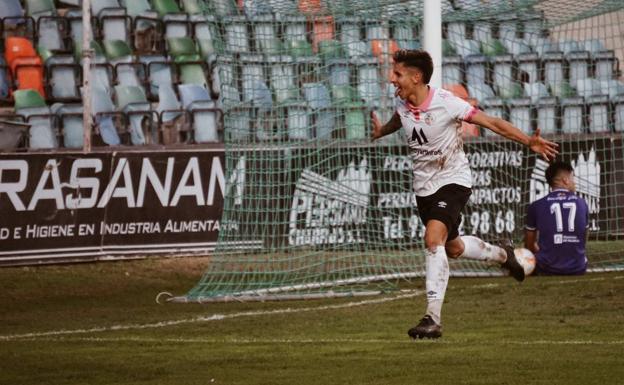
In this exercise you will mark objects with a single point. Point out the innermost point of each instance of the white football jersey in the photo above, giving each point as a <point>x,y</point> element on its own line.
<point>433,134</point>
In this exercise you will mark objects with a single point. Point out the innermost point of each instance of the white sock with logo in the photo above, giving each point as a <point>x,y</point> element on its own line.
<point>475,248</point>
<point>436,281</point>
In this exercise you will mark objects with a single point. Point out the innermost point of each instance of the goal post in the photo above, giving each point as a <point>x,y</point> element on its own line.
<point>333,214</point>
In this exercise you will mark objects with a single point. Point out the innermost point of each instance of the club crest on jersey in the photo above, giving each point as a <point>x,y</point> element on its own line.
<point>442,204</point>
<point>428,119</point>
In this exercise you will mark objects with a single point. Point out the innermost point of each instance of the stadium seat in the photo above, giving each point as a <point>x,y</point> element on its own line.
<point>520,114</point>
<point>330,49</point>
<point>5,82</point>
<point>207,35</point>
<point>317,96</point>
<point>133,102</point>
<point>480,91</point>
<point>588,87</point>
<point>351,37</point>
<point>535,91</point>
<point>265,35</point>
<point>125,69</point>
<point>298,121</point>
<point>339,72</point>
<point>492,48</point>
<point>344,95</point>
<point>355,122</point>
<point>452,70</point>
<point>236,38</point>
<point>70,119</point>
<point>516,46</point>
<point>322,30</point>
<point>404,32</point>
<point>466,47</point>
<point>579,63</point>
<point>205,116</point>
<point>294,28</point>
<point>38,8</point>
<point>507,26</point>
<point>114,25</point>
<point>26,66</point>
<point>63,75</point>
<point>298,48</point>
<point>456,31</point>
<point>494,107</point>
<point>476,69</point>
<point>160,71</point>
<point>375,29</point>
<point>169,107</point>
<point>43,133</point>
<point>13,21</point>
<point>368,84</point>
<point>448,49</point>
<point>547,113</point>
<point>528,67</point>
<point>97,6</point>
<point>482,32</point>
<point>553,67</point>
<point>384,48</point>
<point>562,90</point>
<point>104,117</point>
<point>533,27</point>
<point>309,6</point>
<point>13,132</point>
<point>191,67</point>
<point>611,87</point>
<point>543,46</point>
<point>224,8</point>
<point>195,7</point>
<point>503,75</point>
<point>147,28</point>
<point>568,46</point>
<point>599,112</point>
<point>572,115</point>
<point>282,79</point>
<point>605,64</point>
<point>173,121</point>
<point>618,113</point>
<point>223,73</point>
<point>177,25</point>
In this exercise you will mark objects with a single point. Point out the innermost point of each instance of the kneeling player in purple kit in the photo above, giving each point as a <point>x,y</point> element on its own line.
<point>556,225</point>
<point>431,120</point>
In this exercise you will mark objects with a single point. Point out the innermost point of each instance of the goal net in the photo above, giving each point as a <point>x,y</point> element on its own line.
<point>314,209</point>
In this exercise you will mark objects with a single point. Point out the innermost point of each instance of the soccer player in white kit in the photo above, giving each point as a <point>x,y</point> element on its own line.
<point>431,120</point>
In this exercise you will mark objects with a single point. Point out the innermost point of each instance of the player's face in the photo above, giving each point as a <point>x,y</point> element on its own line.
<point>405,80</point>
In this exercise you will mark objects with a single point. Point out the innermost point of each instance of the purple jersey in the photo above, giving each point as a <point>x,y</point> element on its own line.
<point>562,219</point>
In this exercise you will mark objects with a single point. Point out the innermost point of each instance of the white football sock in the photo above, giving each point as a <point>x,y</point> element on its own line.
<point>475,248</point>
<point>436,280</point>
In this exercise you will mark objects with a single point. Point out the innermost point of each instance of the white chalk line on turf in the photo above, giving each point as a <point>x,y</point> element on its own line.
<point>284,341</point>
<point>219,317</point>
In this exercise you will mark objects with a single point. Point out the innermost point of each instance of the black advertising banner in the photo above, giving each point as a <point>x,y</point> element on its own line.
<point>69,206</point>
<point>76,206</point>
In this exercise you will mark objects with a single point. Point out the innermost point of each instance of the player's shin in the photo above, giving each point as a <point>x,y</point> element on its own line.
<point>477,249</point>
<point>436,281</point>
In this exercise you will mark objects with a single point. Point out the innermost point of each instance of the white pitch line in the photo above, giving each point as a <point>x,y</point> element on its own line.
<point>214,317</point>
<point>218,317</point>
<point>250,341</point>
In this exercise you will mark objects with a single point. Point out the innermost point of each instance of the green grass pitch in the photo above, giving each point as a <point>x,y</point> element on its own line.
<point>99,324</point>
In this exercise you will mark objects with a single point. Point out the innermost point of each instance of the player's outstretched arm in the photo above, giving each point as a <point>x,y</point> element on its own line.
<point>380,130</point>
<point>535,142</point>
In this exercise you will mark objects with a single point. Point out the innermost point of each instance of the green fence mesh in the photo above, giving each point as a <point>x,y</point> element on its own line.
<point>315,209</point>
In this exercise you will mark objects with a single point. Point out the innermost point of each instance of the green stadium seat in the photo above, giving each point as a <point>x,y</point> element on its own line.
<point>165,7</point>
<point>28,99</point>
<point>493,48</point>
<point>134,104</point>
<point>116,49</point>
<point>299,48</point>
<point>195,7</point>
<point>183,49</point>
<point>355,122</point>
<point>330,49</point>
<point>343,94</point>
<point>37,8</point>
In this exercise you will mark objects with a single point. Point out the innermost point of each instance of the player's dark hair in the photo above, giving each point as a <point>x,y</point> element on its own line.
<point>555,169</point>
<point>417,59</point>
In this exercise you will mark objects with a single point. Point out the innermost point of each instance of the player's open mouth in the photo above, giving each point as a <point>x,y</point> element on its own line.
<point>397,91</point>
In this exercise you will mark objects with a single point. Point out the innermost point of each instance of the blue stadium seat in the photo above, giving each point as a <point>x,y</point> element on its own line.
<point>236,37</point>
<point>618,113</point>
<point>494,107</point>
<point>520,114</point>
<point>573,116</point>
<point>452,70</point>
<point>43,130</point>
<point>282,79</point>
<point>579,64</point>
<point>103,113</point>
<point>133,102</point>
<point>205,115</point>
<point>368,85</point>
<point>265,35</point>
<point>529,64</point>
<point>605,64</point>
<point>547,113</point>
<point>70,119</point>
<point>535,91</point>
<point>599,112</point>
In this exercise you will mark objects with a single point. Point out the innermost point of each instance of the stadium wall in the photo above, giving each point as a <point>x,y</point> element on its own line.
<point>70,206</point>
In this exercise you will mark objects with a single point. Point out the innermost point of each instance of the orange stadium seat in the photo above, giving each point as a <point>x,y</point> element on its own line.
<point>26,66</point>
<point>310,6</point>
<point>378,47</point>
<point>322,29</point>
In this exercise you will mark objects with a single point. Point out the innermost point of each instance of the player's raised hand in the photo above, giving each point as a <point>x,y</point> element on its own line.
<point>377,126</point>
<point>542,146</point>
